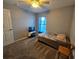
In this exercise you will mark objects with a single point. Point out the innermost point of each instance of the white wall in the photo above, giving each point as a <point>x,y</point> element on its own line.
<point>59,20</point>
<point>72,30</point>
<point>21,20</point>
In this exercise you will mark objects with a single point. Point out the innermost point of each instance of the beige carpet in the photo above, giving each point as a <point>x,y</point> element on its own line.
<point>27,49</point>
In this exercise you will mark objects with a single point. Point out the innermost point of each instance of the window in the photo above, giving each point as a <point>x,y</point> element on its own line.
<point>42,24</point>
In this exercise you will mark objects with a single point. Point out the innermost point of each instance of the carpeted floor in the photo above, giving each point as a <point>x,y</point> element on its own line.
<point>26,49</point>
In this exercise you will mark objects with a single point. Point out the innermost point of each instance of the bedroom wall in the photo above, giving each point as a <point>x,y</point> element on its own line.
<point>59,20</point>
<point>72,30</point>
<point>21,20</point>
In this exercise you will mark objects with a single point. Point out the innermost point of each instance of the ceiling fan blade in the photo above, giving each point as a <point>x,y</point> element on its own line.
<point>43,6</point>
<point>26,1</point>
<point>23,3</point>
<point>45,2</point>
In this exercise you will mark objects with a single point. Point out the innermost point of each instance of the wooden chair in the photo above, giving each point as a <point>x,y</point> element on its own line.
<point>67,52</point>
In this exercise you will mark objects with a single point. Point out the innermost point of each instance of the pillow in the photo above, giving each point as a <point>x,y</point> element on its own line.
<point>60,37</point>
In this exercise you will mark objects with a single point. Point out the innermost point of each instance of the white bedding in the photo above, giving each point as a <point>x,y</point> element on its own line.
<point>52,37</point>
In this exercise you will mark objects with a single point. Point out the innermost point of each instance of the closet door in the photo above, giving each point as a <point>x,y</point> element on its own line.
<point>8,37</point>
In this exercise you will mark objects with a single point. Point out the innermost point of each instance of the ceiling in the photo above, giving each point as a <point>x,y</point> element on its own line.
<point>52,5</point>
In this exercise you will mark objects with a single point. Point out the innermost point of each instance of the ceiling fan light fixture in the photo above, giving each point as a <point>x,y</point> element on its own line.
<point>35,4</point>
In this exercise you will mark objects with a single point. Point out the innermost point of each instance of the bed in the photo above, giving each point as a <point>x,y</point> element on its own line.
<point>53,41</point>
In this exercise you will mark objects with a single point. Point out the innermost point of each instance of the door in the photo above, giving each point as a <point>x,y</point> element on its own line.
<point>8,37</point>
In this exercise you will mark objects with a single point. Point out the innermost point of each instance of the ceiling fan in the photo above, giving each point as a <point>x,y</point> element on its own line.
<point>36,3</point>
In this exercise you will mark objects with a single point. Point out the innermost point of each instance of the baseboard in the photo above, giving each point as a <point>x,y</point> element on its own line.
<point>21,39</point>
<point>16,41</point>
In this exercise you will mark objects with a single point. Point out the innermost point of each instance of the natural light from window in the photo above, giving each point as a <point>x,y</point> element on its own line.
<point>42,25</point>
